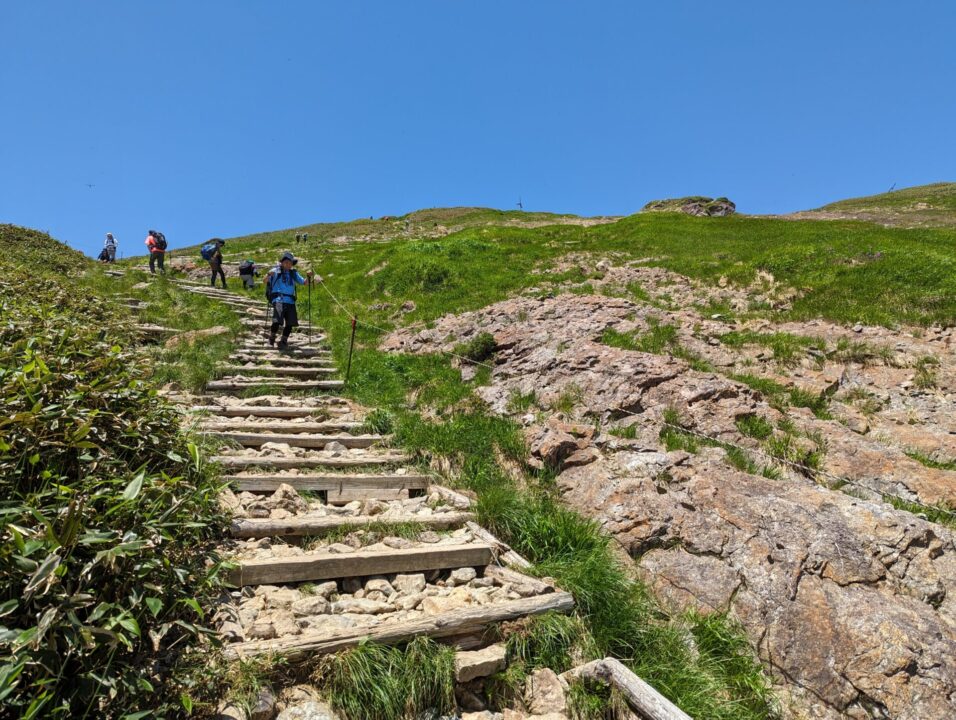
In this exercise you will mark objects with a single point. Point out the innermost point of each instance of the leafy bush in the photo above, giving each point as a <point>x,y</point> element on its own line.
<point>107,514</point>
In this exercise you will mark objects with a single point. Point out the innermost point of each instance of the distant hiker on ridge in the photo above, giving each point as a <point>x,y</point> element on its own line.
<point>110,246</point>
<point>280,291</point>
<point>212,251</point>
<point>156,243</point>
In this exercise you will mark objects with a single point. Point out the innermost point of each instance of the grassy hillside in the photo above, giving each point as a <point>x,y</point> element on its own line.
<point>921,206</point>
<point>108,515</point>
<point>844,271</point>
<point>433,222</point>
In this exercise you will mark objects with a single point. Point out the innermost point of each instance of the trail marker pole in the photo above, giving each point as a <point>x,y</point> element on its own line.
<point>348,369</point>
<point>310,311</point>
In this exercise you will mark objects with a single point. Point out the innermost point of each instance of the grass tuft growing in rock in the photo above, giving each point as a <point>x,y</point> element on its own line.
<point>377,682</point>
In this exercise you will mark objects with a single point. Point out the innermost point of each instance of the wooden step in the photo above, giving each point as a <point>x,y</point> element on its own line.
<point>269,411</point>
<point>305,525</point>
<point>294,350</point>
<point>361,563</point>
<point>279,360</point>
<point>279,370</point>
<point>326,482</point>
<point>467,621</point>
<point>294,440</point>
<point>238,462</point>
<point>150,329</point>
<point>281,384</point>
<point>279,427</point>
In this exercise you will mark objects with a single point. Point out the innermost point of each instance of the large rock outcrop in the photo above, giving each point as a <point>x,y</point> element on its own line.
<point>851,602</point>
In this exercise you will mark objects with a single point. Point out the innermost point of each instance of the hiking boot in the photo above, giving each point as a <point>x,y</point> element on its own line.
<point>272,340</point>
<point>283,344</point>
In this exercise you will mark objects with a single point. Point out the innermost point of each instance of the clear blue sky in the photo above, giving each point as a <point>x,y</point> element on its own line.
<point>228,117</point>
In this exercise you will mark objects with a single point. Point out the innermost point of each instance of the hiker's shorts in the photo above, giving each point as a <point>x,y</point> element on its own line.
<point>284,314</point>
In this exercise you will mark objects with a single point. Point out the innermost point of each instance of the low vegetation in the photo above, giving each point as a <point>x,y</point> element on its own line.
<point>108,513</point>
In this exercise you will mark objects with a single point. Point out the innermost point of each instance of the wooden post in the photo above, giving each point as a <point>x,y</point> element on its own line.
<point>645,700</point>
<point>348,370</point>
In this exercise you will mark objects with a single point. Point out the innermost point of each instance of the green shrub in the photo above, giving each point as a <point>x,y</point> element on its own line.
<point>108,515</point>
<point>480,348</point>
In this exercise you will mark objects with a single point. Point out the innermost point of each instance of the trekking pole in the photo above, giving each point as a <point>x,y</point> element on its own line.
<point>348,369</point>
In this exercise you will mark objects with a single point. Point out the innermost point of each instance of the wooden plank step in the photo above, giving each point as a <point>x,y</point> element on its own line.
<point>279,360</point>
<point>238,462</point>
<point>325,482</point>
<point>304,440</point>
<point>361,563</point>
<point>282,384</point>
<point>151,329</point>
<point>297,648</point>
<point>280,370</point>
<point>279,427</point>
<point>268,410</point>
<point>297,526</point>
<point>294,349</point>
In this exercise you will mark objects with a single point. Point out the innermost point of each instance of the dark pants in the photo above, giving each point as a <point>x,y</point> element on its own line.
<point>217,268</point>
<point>159,258</point>
<point>288,318</point>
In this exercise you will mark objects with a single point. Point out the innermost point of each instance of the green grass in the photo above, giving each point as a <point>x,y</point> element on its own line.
<point>659,339</point>
<point>377,682</point>
<point>190,364</point>
<point>780,397</point>
<point>787,348</point>
<point>908,276</point>
<point>755,426</point>
<point>931,462</point>
<point>479,349</point>
<point>926,370</point>
<point>924,205</point>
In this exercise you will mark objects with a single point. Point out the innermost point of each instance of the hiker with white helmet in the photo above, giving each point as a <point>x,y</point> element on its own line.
<point>280,291</point>
<point>110,246</point>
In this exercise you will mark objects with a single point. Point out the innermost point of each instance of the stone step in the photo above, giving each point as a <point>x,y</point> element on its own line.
<point>239,462</point>
<point>277,383</point>
<point>279,360</point>
<point>361,563</point>
<point>294,440</point>
<point>326,482</point>
<point>323,525</point>
<point>271,411</point>
<point>280,427</point>
<point>464,622</point>
<point>280,370</point>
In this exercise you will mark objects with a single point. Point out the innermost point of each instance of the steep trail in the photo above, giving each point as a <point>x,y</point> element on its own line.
<point>336,538</point>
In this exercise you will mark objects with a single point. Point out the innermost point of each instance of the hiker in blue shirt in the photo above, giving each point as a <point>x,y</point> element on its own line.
<point>280,289</point>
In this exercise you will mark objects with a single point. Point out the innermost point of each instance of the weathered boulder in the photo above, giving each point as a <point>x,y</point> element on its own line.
<point>852,601</point>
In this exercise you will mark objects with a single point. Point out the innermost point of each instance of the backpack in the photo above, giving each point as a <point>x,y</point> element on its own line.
<point>207,251</point>
<point>160,241</point>
<point>271,279</point>
<point>246,267</point>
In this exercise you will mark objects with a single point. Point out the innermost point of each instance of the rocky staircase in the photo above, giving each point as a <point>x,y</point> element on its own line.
<point>335,539</point>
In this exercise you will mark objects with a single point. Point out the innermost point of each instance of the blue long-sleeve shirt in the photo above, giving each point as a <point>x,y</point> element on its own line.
<point>283,284</point>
